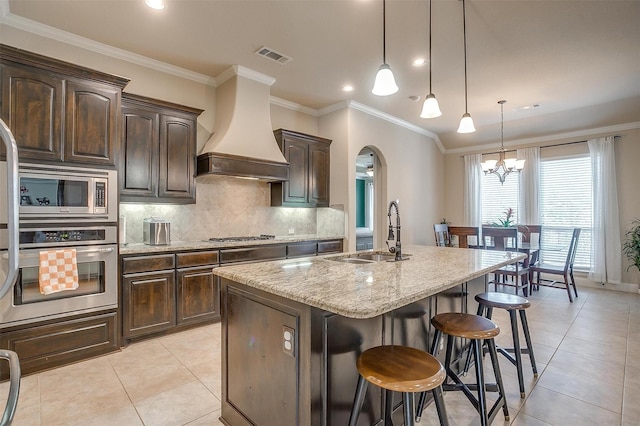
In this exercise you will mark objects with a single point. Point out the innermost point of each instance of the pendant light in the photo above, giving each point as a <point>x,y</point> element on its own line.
<point>430,108</point>
<point>384,84</point>
<point>503,166</point>
<point>466,123</point>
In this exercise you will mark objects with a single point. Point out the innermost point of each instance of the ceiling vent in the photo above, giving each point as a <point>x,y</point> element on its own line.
<point>273,55</point>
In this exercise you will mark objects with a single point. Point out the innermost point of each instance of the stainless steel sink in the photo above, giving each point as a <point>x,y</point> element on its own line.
<point>363,258</point>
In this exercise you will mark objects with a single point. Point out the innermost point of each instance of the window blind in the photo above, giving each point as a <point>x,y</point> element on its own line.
<point>497,197</point>
<point>565,203</point>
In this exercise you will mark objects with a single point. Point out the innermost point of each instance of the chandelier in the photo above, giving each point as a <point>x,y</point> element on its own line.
<point>503,166</point>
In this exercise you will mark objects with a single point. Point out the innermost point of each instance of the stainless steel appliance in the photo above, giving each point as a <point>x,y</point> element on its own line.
<point>9,249</point>
<point>156,231</point>
<point>97,263</point>
<point>54,193</point>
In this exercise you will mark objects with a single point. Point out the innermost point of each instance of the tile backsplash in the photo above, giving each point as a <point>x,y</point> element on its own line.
<point>227,206</point>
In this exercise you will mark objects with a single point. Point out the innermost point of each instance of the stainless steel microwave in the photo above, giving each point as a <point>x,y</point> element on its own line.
<point>64,194</point>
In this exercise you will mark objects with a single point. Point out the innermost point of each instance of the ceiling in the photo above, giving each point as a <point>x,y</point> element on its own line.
<point>578,60</point>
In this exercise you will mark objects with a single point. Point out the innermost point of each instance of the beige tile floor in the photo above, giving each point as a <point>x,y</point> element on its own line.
<point>587,356</point>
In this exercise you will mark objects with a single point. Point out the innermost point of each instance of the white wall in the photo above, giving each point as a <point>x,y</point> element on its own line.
<point>412,172</point>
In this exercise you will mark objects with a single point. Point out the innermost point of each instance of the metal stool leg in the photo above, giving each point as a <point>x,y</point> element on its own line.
<point>516,350</point>
<point>358,399</point>
<point>493,354</point>
<point>527,337</point>
<point>439,401</point>
<point>482,403</point>
<point>407,400</point>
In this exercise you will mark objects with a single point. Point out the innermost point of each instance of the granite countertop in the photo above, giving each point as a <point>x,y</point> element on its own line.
<point>141,248</point>
<point>370,289</point>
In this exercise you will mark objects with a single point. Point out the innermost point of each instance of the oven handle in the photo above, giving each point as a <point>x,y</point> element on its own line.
<point>12,207</point>
<point>78,253</point>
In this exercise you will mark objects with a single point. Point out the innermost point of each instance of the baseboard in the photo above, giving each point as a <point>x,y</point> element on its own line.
<point>624,287</point>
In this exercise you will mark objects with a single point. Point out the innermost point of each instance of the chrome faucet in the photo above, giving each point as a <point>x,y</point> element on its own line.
<point>397,249</point>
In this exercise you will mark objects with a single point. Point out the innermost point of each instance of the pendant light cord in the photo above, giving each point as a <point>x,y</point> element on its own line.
<point>501,125</point>
<point>384,32</point>
<point>430,67</point>
<point>464,31</point>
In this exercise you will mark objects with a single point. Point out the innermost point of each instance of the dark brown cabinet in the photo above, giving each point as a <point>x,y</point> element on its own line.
<point>148,295</point>
<point>162,292</point>
<point>309,159</point>
<point>59,111</point>
<point>53,343</point>
<point>158,151</point>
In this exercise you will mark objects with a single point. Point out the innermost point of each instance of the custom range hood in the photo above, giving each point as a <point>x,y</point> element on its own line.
<point>242,143</point>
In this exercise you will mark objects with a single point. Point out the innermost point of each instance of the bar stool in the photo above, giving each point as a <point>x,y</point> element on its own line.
<point>512,303</point>
<point>399,369</point>
<point>477,329</point>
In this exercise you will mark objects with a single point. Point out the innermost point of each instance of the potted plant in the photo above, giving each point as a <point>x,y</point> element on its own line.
<point>631,244</point>
<point>507,221</point>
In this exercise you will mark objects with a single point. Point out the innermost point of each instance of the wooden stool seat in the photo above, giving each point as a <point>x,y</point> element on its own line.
<point>401,369</point>
<point>506,301</point>
<point>468,326</point>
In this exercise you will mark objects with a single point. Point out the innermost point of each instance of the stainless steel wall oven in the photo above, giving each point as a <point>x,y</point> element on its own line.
<point>97,259</point>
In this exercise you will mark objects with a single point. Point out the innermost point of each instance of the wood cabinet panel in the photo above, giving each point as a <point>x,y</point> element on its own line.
<point>32,105</point>
<point>177,158</point>
<point>53,343</point>
<point>309,171</point>
<point>60,111</point>
<point>334,246</point>
<point>198,295</point>
<point>149,303</point>
<point>196,258</point>
<point>302,249</point>
<point>91,117</point>
<point>159,142</point>
<point>253,254</point>
<point>151,263</point>
<point>138,176</point>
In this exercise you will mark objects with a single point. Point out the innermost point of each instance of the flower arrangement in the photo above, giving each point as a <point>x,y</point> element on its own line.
<point>631,244</point>
<point>507,221</point>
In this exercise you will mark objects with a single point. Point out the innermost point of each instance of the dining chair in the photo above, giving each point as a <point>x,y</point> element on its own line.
<point>463,234</point>
<point>566,270</point>
<point>531,234</point>
<point>441,231</point>
<point>506,239</point>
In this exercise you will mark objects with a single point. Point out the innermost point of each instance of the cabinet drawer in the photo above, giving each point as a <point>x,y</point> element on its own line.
<point>302,249</point>
<point>197,258</point>
<point>148,263</point>
<point>53,344</point>
<point>253,254</point>
<point>330,246</point>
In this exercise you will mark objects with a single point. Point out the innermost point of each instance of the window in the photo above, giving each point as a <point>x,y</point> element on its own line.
<point>497,197</point>
<point>565,203</point>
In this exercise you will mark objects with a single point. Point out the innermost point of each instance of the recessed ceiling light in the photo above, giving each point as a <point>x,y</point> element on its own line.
<point>155,4</point>
<point>414,98</point>
<point>347,88</point>
<point>419,62</point>
<point>527,107</point>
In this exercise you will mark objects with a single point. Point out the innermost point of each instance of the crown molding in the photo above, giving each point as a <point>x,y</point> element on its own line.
<point>293,106</point>
<point>28,25</point>
<point>384,116</point>
<point>548,138</point>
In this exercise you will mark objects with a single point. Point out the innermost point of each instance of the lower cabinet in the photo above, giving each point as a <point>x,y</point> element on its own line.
<point>163,292</point>
<point>57,342</point>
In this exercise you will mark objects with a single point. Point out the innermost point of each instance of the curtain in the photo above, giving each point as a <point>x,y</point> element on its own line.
<point>606,257</point>
<point>472,190</point>
<point>528,213</point>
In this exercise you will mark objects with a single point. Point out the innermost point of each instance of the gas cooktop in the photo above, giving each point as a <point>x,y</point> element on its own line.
<point>248,238</point>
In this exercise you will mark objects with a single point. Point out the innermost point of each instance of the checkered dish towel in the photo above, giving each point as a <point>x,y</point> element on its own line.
<point>58,271</point>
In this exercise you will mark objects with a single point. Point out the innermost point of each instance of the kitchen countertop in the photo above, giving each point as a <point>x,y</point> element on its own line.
<point>371,289</point>
<point>141,248</point>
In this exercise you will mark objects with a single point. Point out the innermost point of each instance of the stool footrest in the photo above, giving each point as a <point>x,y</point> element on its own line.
<point>490,387</point>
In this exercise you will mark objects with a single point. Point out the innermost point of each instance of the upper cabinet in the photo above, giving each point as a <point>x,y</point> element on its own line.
<point>59,111</point>
<point>158,152</point>
<point>308,184</point>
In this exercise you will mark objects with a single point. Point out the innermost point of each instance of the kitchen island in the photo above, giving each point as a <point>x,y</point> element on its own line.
<point>293,329</point>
